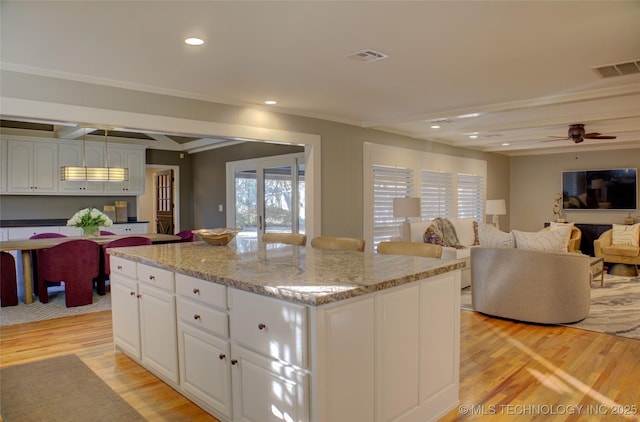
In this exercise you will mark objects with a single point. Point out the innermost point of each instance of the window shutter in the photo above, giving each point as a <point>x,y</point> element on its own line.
<point>470,196</point>
<point>436,194</point>
<point>388,183</point>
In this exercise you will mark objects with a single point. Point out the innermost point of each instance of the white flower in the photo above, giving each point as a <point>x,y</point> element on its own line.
<point>89,217</point>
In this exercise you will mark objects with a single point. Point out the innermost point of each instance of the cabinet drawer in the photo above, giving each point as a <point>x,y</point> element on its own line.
<point>201,290</point>
<point>259,322</point>
<point>156,277</point>
<point>203,317</point>
<point>122,266</point>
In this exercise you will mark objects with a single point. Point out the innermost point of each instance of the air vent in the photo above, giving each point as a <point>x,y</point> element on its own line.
<point>618,69</point>
<point>367,56</point>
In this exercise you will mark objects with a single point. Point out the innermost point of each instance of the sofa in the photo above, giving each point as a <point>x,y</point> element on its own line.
<point>531,285</point>
<point>466,231</point>
<point>619,245</point>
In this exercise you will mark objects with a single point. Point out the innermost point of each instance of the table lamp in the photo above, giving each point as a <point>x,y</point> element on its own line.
<point>407,208</point>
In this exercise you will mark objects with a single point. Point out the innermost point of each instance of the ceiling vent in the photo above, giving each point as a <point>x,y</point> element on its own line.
<point>367,56</point>
<point>618,69</point>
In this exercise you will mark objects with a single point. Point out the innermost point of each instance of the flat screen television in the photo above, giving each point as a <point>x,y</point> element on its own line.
<point>609,189</point>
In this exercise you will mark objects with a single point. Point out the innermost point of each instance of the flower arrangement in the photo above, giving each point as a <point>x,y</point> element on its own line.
<point>89,217</point>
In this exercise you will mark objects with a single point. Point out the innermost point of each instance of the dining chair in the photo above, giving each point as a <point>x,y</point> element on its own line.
<point>105,269</point>
<point>186,236</point>
<point>338,243</point>
<point>297,239</point>
<point>428,250</point>
<point>8,285</point>
<point>34,257</point>
<point>76,263</point>
<point>106,233</point>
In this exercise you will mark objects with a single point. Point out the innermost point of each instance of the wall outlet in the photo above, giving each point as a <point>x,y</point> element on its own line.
<point>220,208</point>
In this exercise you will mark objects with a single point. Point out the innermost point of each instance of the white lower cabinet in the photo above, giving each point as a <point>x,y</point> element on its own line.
<point>144,316</point>
<point>391,355</point>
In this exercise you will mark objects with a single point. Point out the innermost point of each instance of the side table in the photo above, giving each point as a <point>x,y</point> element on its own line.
<point>597,269</point>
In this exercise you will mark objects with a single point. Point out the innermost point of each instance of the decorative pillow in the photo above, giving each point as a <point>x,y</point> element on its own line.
<point>554,225</point>
<point>433,235</point>
<point>625,235</point>
<point>466,230</point>
<point>476,235</point>
<point>491,237</point>
<point>550,241</point>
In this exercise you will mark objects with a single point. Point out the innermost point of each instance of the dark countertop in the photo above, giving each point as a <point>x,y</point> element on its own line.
<point>43,222</point>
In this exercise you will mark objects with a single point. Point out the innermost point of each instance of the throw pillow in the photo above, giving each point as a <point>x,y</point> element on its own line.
<point>491,237</point>
<point>433,235</point>
<point>476,235</point>
<point>554,225</point>
<point>625,235</point>
<point>550,241</point>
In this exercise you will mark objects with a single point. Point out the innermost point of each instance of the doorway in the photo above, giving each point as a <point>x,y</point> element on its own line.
<point>160,204</point>
<point>267,194</point>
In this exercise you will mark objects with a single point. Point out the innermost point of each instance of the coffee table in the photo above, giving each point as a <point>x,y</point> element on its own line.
<point>597,269</point>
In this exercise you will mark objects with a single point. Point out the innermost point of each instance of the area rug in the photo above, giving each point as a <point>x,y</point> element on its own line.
<point>56,308</point>
<point>60,389</point>
<point>615,307</point>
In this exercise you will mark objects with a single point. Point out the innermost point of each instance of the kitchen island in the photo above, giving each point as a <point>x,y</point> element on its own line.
<point>283,333</point>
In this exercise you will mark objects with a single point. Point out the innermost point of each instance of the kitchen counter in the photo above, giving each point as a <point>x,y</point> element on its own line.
<point>303,275</point>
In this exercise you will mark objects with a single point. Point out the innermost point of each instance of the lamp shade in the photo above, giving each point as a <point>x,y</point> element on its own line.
<point>496,207</point>
<point>406,207</point>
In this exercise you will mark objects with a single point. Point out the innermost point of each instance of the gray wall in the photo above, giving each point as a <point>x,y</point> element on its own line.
<point>341,151</point>
<point>535,180</point>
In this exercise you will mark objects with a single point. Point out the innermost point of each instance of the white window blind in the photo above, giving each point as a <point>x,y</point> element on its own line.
<point>388,183</point>
<point>436,194</point>
<point>470,196</point>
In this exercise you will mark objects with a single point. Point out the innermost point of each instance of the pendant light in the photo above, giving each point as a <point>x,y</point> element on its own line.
<point>94,174</point>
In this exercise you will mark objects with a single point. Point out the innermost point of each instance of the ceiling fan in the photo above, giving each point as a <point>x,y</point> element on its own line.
<point>577,134</point>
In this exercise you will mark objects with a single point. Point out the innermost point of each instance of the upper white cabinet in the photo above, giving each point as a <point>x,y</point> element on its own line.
<point>73,154</point>
<point>32,167</point>
<point>134,160</point>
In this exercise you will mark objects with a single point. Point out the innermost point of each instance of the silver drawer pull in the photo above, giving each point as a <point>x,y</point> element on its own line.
<point>196,291</point>
<point>196,317</point>
<point>261,326</point>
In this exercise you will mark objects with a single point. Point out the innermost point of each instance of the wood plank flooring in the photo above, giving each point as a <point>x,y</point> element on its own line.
<point>507,369</point>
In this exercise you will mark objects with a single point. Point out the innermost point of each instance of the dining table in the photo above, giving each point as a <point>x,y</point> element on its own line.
<point>26,246</point>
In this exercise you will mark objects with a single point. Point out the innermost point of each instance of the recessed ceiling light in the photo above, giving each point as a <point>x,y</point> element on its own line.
<point>435,126</point>
<point>194,41</point>
<point>473,136</point>
<point>506,144</point>
<point>466,116</point>
<point>271,102</point>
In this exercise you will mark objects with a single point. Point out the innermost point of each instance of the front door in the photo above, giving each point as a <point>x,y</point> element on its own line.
<point>164,202</point>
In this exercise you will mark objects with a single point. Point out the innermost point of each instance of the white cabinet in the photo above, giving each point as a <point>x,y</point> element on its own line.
<point>20,233</point>
<point>134,160</point>
<point>75,154</point>
<point>128,228</point>
<point>144,316</point>
<point>203,343</point>
<point>3,166</point>
<point>32,167</point>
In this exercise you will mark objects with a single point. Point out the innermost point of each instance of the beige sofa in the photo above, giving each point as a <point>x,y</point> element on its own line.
<point>414,232</point>
<point>532,286</point>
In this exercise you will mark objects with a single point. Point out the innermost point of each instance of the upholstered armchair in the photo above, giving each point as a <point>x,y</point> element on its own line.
<point>186,236</point>
<point>605,247</point>
<point>75,262</point>
<point>105,263</point>
<point>8,286</point>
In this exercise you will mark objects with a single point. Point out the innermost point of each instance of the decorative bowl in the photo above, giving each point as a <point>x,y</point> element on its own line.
<point>218,237</point>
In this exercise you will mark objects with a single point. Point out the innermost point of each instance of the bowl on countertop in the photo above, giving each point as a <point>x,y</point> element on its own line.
<point>217,237</point>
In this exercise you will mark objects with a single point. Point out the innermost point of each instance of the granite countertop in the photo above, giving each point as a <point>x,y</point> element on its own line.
<point>297,274</point>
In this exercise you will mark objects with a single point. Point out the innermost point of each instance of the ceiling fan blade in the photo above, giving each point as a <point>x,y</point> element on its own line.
<point>598,136</point>
<point>557,138</point>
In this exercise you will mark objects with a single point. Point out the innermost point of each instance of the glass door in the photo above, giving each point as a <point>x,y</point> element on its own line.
<point>269,195</point>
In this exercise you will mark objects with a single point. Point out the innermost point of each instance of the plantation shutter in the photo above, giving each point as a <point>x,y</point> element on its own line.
<point>436,194</point>
<point>470,196</point>
<point>388,183</point>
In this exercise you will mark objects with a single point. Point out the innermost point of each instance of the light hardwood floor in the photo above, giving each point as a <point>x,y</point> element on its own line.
<point>506,369</point>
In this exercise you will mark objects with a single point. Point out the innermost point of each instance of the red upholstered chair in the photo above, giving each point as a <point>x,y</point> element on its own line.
<point>77,263</point>
<point>34,257</point>
<point>186,236</point>
<point>106,233</point>
<point>8,286</point>
<point>105,268</point>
